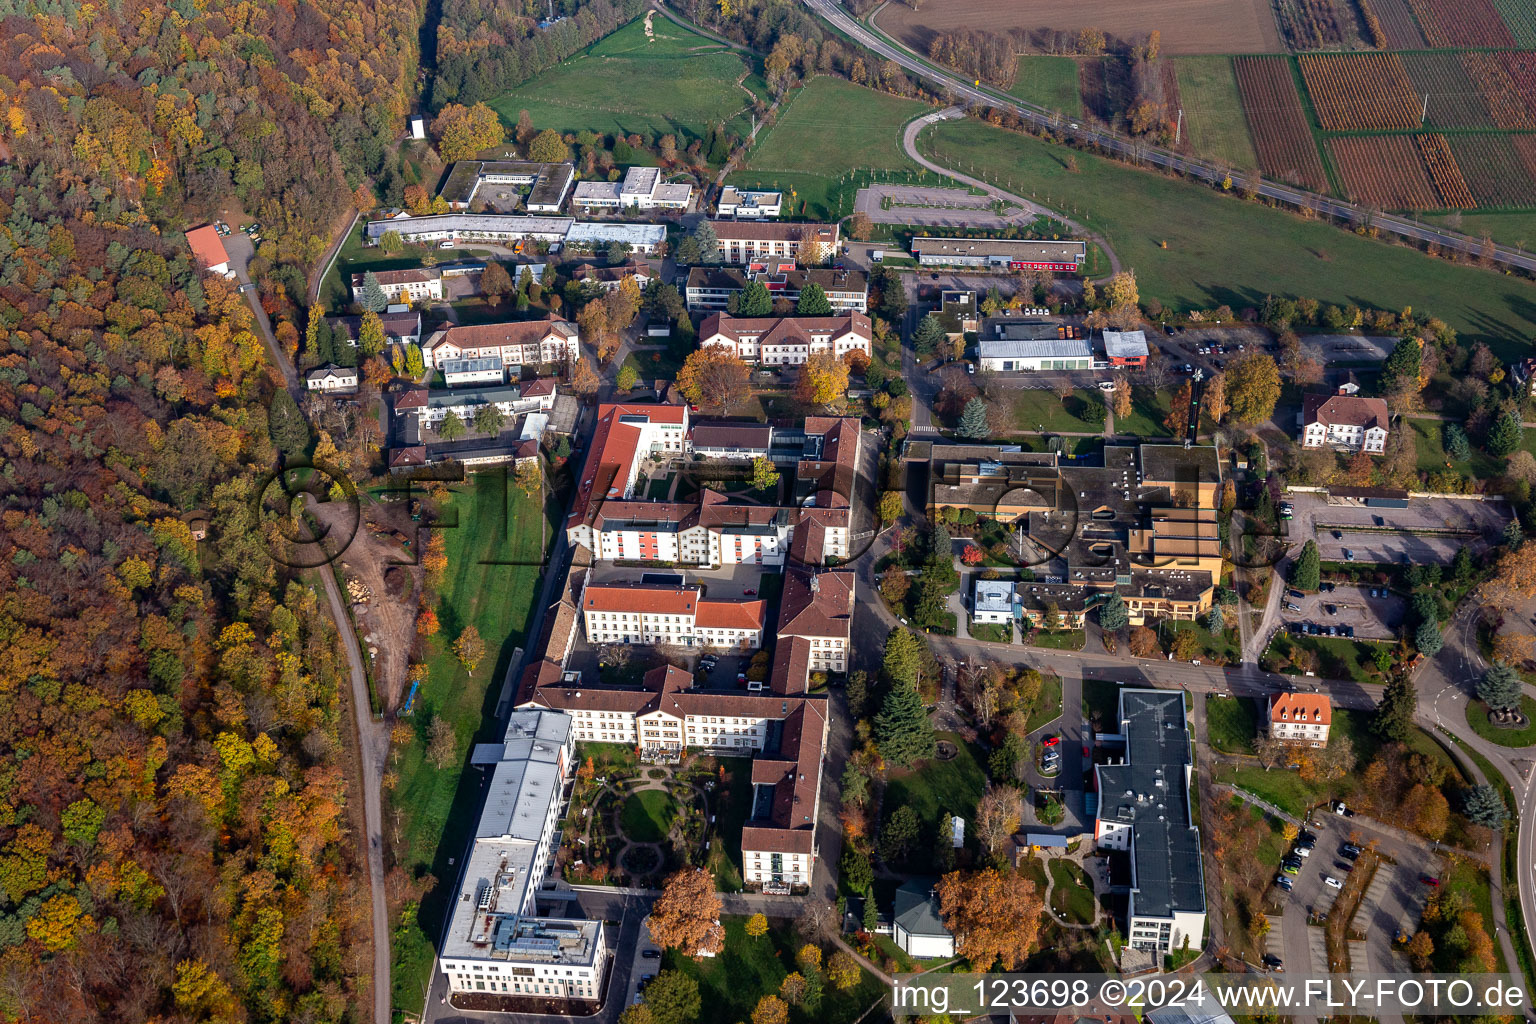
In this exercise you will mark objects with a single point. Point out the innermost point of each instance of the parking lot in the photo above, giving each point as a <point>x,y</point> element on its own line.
<point>1394,900</point>
<point>1372,618</point>
<point>1399,536</point>
<point>1347,348</point>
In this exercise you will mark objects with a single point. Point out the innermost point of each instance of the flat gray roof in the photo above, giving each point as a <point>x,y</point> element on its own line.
<point>1053,348</point>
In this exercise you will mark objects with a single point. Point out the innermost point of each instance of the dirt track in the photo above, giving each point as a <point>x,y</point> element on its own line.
<point>1187,26</point>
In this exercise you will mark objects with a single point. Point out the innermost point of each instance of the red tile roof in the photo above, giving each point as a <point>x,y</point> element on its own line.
<point>1345,410</point>
<point>640,597</point>
<point>816,604</point>
<point>615,445</point>
<point>730,614</point>
<point>778,840</point>
<point>207,246</point>
<point>519,332</point>
<point>1310,708</point>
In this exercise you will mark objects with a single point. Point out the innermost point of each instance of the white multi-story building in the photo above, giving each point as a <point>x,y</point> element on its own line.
<point>748,203</point>
<point>479,371</point>
<point>520,343</point>
<point>1347,422</point>
<point>992,601</point>
<point>496,942</point>
<point>745,241</point>
<point>1300,718</point>
<point>430,408</point>
<point>641,189</point>
<point>1144,809</point>
<point>787,340</point>
<point>404,286</point>
<point>547,184</point>
<point>642,613</point>
<point>712,288</point>
<point>626,435</point>
<point>436,228</point>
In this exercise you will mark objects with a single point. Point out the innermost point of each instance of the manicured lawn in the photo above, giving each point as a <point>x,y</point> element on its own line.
<point>830,130</point>
<point>679,83</point>
<point>1148,409</point>
<point>1050,82</point>
<point>1339,658</point>
<point>647,815</point>
<point>494,566</point>
<point>1231,723</point>
<point>1062,640</point>
<point>1477,718</point>
<point>990,631</point>
<point>730,806</point>
<point>1428,443</point>
<point>1211,646</point>
<point>938,788</point>
<point>1281,787</point>
<point>1047,705</point>
<point>1213,111</point>
<point>1212,256</point>
<point>1036,407</point>
<point>731,983</point>
<point>1072,892</point>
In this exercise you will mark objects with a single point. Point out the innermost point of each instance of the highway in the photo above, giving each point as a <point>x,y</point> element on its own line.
<point>963,90</point>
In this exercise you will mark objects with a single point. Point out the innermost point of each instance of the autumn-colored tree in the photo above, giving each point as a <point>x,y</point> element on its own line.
<point>793,988</point>
<point>548,147</point>
<point>435,558</point>
<point>530,477</point>
<point>843,971</point>
<point>469,648</point>
<point>1214,397</point>
<point>1121,290</point>
<point>686,916</point>
<point>1177,420</point>
<point>462,132</point>
<point>994,916</point>
<point>418,200</point>
<point>823,379</point>
<point>495,282</point>
<point>714,379</point>
<point>1186,646</point>
<point>1253,387</point>
<point>890,507</point>
<point>584,379</point>
<point>770,1010</point>
<point>363,198</point>
<point>370,334</point>
<point>426,622</point>
<point>997,818</point>
<point>1144,643</point>
<point>442,743</point>
<point>1420,950</point>
<point>1122,398</point>
<point>757,926</point>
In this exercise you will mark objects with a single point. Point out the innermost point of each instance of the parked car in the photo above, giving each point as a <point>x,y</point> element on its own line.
<point>1333,630</point>
<point>1349,556</point>
<point>749,592</point>
<point>1344,866</point>
<point>1343,811</point>
<point>1291,869</point>
<point>1168,330</point>
<point>1051,741</point>
<point>1326,587</point>
<point>1292,606</point>
<point>1284,882</point>
<point>1332,883</point>
<point>1430,881</point>
<point>1293,592</point>
<point>1350,850</point>
<point>651,954</point>
<point>1306,837</point>
<point>1273,962</point>
<point>1347,630</point>
<point>1331,609</point>
<point>1337,535</point>
<point>1303,851</point>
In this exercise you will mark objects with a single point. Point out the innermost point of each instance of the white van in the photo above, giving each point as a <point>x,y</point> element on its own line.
<point>1106,385</point>
<point>448,244</point>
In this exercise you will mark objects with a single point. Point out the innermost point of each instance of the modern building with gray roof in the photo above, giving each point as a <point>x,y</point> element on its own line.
<point>1144,809</point>
<point>547,184</point>
<point>1010,344</point>
<point>916,925</point>
<point>496,942</point>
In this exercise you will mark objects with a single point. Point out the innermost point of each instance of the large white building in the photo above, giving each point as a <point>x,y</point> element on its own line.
<point>1346,422</point>
<point>641,189</point>
<point>648,613</point>
<point>431,407</point>
<point>746,241</point>
<point>1007,344</point>
<point>787,340</point>
<point>748,203</point>
<point>519,343</point>
<point>1300,718</point>
<point>403,286</point>
<point>496,942</point>
<point>470,180</point>
<point>711,288</point>
<point>332,379</point>
<point>992,601</point>
<point>1144,809</point>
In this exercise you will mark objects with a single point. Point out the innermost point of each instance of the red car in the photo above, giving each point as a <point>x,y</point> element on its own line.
<point>749,592</point>
<point>1430,881</point>
<point>1051,741</point>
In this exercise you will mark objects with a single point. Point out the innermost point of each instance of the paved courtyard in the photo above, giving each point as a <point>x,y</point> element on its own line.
<point>934,207</point>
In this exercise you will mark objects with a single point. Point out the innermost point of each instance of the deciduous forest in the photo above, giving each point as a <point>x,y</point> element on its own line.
<point>173,830</point>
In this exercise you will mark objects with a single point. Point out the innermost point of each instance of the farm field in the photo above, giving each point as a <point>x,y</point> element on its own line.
<point>1384,171</point>
<point>1456,23</point>
<point>1444,172</point>
<point>1499,90</point>
<point>1397,24</point>
<point>1213,111</point>
<point>1281,135</point>
<point>1188,27</point>
<point>1520,66</point>
<point>679,82</point>
<point>1520,17</point>
<point>1494,170</point>
<point>1049,81</point>
<point>1317,24</point>
<point>1212,257</point>
<point>829,129</point>
<point>1454,99</point>
<point>1360,91</point>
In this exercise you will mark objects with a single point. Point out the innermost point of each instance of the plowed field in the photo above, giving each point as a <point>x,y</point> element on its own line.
<point>1384,171</point>
<point>1277,122</point>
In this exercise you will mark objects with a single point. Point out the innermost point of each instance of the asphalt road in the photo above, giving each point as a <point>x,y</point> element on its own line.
<point>964,91</point>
